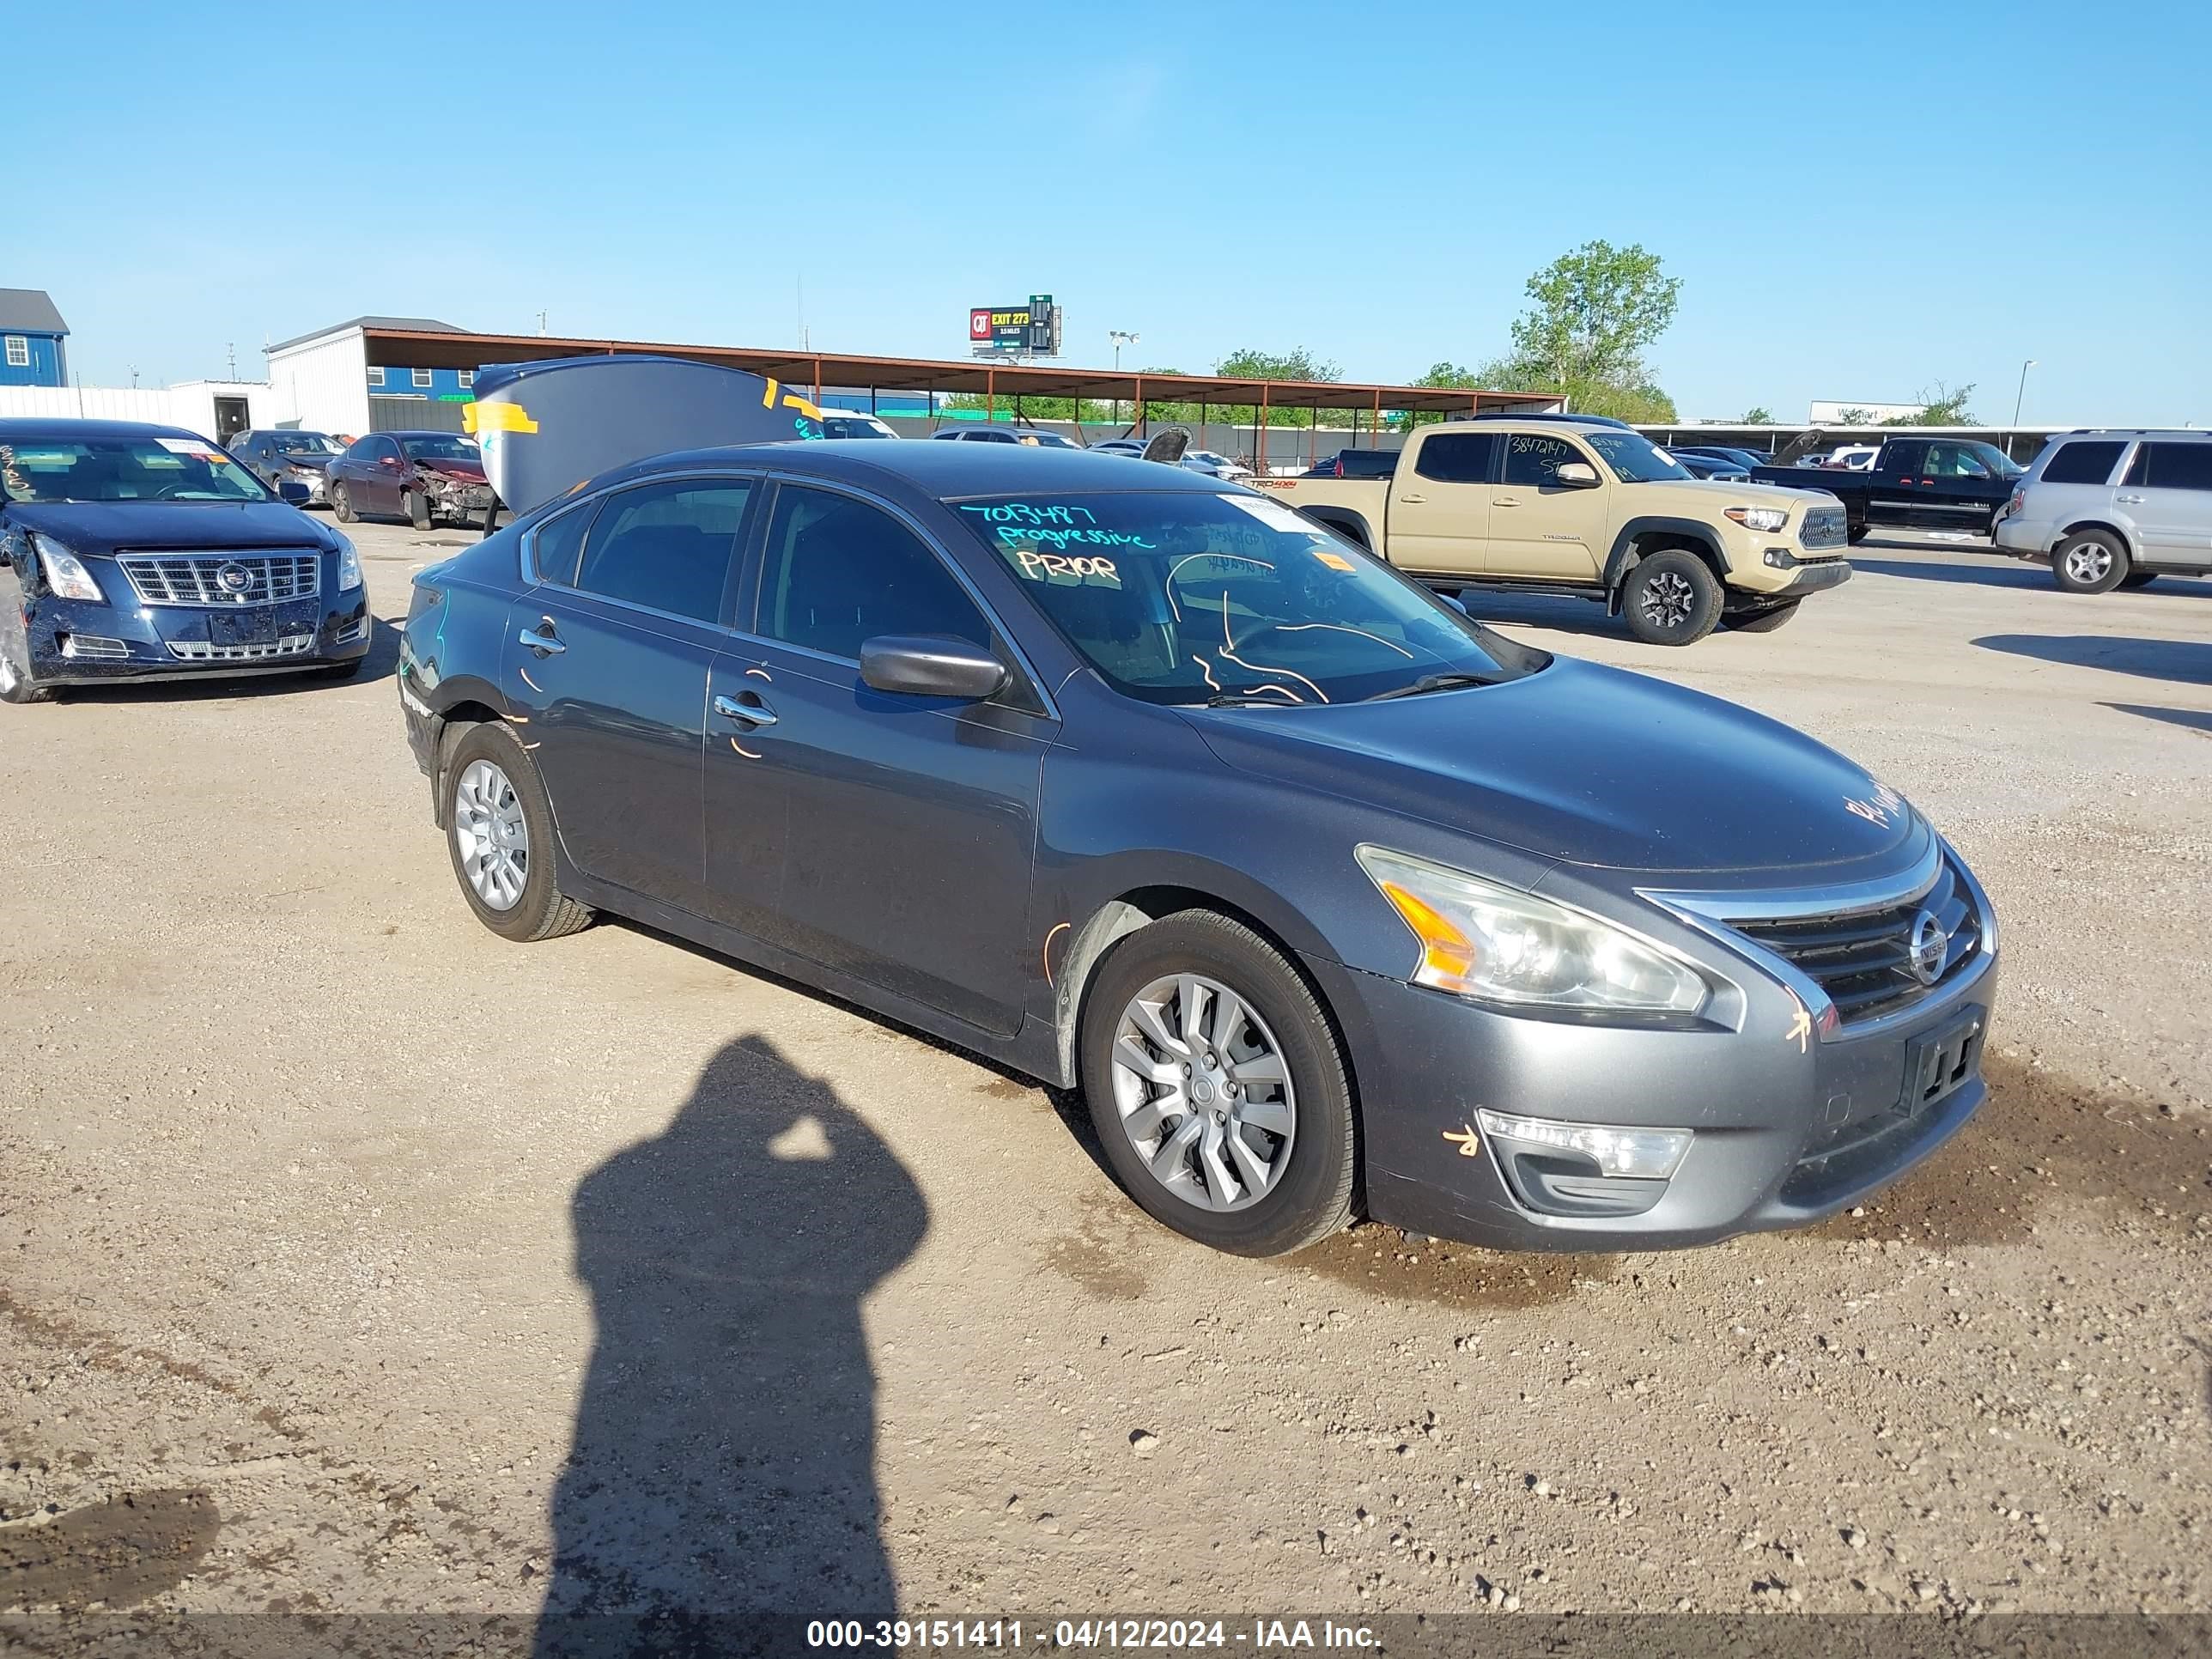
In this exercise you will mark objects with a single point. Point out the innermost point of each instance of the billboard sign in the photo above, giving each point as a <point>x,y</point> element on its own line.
<point>1028,330</point>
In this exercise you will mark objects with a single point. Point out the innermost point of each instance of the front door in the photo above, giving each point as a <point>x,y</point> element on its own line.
<point>2167,492</point>
<point>1541,530</point>
<point>383,478</point>
<point>887,836</point>
<point>230,419</point>
<point>1958,489</point>
<point>1439,513</point>
<point>608,659</point>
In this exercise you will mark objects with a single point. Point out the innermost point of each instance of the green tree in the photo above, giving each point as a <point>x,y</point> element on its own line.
<point>1252,365</point>
<point>1756,415</point>
<point>1597,309</point>
<point>1940,408</point>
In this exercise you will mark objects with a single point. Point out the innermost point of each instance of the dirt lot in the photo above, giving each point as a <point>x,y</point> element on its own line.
<point>357,1259</point>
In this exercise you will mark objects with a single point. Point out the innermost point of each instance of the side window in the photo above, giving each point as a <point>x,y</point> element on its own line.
<point>468,379</point>
<point>838,571</point>
<point>387,449</point>
<point>1456,457</point>
<point>1954,461</point>
<point>1535,458</point>
<point>2178,466</point>
<point>2083,464</point>
<point>555,545</point>
<point>421,378</point>
<point>667,545</point>
<point>362,449</point>
<point>375,375</point>
<point>1901,456</point>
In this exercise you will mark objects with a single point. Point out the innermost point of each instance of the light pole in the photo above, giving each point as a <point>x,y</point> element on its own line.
<point>2021,395</point>
<point>1120,336</point>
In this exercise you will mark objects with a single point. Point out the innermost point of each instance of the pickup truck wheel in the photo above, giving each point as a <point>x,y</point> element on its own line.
<point>1859,533</point>
<point>1764,621</point>
<point>1671,598</point>
<point>1218,1088</point>
<point>2090,562</point>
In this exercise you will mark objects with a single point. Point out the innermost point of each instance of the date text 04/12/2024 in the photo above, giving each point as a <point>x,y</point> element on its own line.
<point>1263,1635</point>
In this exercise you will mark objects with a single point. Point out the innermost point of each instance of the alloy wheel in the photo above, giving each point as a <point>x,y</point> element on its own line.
<point>1203,1092</point>
<point>2088,562</point>
<point>492,835</point>
<point>1667,598</point>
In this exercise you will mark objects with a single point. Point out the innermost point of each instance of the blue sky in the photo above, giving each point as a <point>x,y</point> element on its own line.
<point>1862,199</point>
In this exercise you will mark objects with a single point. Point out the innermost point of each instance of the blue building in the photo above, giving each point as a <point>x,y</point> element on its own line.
<point>31,336</point>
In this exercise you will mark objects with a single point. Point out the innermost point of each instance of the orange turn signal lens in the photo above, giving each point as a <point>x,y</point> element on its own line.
<point>1447,954</point>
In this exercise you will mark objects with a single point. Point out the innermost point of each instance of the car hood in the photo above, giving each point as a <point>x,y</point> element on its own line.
<point>465,472</point>
<point>1585,764</point>
<point>1717,494</point>
<point>106,527</point>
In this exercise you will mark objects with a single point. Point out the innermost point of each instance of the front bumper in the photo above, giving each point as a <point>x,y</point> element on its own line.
<point>1812,577</point>
<point>77,643</point>
<point>1786,1132</point>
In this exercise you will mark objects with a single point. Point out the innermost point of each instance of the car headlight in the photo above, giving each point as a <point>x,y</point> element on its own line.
<point>348,566</point>
<point>1478,939</point>
<point>306,474</point>
<point>1764,519</point>
<point>65,573</point>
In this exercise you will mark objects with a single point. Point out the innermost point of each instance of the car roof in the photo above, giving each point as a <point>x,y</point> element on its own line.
<point>945,470</point>
<point>2136,432</point>
<point>19,428</point>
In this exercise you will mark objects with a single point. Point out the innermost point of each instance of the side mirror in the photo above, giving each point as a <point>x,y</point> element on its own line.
<point>292,490</point>
<point>1455,603</point>
<point>931,666</point>
<point>1576,475</point>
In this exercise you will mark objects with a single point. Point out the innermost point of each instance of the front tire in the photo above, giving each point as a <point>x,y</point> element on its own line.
<point>1766,621</point>
<point>342,504</point>
<point>1218,1087</point>
<point>1859,533</point>
<point>417,506</point>
<point>1671,598</point>
<point>16,683</point>
<point>2090,562</point>
<point>499,831</point>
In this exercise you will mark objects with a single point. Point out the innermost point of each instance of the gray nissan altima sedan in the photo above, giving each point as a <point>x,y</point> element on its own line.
<point>1331,901</point>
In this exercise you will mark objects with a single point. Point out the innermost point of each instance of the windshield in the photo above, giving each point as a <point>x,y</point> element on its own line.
<point>124,470</point>
<point>309,443</point>
<point>1046,440</point>
<point>1634,458</point>
<point>2000,464</point>
<point>851,426</point>
<point>438,447</point>
<point>1180,597</point>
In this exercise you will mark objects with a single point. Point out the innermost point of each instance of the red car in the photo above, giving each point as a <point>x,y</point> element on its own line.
<point>423,477</point>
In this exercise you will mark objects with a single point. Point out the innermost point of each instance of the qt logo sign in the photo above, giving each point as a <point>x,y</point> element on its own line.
<point>979,324</point>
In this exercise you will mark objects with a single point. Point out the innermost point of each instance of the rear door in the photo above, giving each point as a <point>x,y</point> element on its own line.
<point>1440,511</point>
<point>609,657</point>
<point>2167,492</point>
<point>887,836</point>
<point>1541,530</point>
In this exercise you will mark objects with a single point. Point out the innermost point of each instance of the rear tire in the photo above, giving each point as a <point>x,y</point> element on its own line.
<point>2139,579</point>
<point>2090,562</point>
<point>1766,621</point>
<point>491,788</point>
<point>342,504</point>
<point>1263,1095</point>
<point>1671,598</point>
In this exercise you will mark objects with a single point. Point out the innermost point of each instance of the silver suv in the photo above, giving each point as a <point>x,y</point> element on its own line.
<point>2115,510</point>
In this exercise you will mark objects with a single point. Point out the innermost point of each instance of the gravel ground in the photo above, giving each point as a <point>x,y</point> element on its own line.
<point>356,1259</point>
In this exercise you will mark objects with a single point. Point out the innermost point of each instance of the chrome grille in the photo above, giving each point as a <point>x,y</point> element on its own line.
<point>1860,957</point>
<point>200,651</point>
<point>221,579</point>
<point>1824,527</point>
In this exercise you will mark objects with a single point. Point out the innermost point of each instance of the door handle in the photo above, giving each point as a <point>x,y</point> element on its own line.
<point>1498,501</point>
<point>1412,500</point>
<point>2135,501</point>
<point>543,643</point>
<point>755,713</point>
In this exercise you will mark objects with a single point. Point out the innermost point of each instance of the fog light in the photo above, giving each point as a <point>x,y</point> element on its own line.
<point>1781,559</point>
<point>1648,1154</point>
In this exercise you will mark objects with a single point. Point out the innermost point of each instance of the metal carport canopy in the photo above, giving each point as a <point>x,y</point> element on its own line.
<point>408,348</point>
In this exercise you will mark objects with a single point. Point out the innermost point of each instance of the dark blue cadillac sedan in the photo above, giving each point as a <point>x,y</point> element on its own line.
<point>1328,899</point>
<point>145,552</point>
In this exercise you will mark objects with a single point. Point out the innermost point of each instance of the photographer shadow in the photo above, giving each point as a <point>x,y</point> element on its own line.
<point>720,1488</point>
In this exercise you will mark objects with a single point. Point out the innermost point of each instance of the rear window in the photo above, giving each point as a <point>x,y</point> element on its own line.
<point>1456,457</point>
<point>2083,464</point>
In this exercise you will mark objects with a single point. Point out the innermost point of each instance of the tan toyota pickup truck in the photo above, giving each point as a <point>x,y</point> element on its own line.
<point>1557,505</point>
